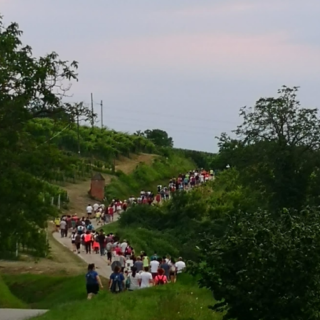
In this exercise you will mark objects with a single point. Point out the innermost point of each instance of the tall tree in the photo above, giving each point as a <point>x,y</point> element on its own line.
<point>276,148</point>
<point>159,137</point>
<point>30,87</point>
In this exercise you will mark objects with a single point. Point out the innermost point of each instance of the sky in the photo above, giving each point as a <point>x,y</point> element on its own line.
<point>183,66</point>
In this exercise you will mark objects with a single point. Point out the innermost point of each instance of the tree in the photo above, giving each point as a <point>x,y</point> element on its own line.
<point>159,137</point>
<point>263,268</point>
<point>29,88</point>
<point>276,148</point>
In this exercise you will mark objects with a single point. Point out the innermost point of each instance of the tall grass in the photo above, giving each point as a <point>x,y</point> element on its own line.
<point>148,177</point>
<point>45,291</point>
<point>180,301</point>
<point>8,299</point>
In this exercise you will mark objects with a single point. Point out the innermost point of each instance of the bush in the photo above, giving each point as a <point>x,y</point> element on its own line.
<point>148,240</point>
<point>143,215</point>
<point>265,266</point>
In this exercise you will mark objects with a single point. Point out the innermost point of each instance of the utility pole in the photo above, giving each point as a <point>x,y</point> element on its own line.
<point>101,114</point>
<point>78,131</point>
<point>92,111</point>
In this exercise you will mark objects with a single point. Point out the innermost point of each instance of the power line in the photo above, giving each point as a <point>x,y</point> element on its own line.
<point>101,114</point>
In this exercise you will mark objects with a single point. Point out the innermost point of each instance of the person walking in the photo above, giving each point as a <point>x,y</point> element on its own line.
<point>165,266</point>
<point>154,265</point>
<point>160,278</point>
<point>145,261</point>
<point>101,240</point>
<point>138,264</point>
<point>180,265</point>
<point>93,281</point>
<point>88,242</point>
<point>133,279</point>
<point>116,282</point>
<point>145,278</point>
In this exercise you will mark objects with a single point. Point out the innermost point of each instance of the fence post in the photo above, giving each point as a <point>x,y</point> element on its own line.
<point>17,249</point>
<point>59,198</point>
<point>52,201</point>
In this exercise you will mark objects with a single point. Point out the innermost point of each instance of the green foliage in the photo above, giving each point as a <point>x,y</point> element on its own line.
<point>30,87</point>
<point>276,149</point>
<point>201,159</point>
<point>264,268</point>
<point>180,301</point>
<point>143,239</point>
<point>7,299</point>
<point>177,223</point>
<point>147,177</point>
<point>158,137</point>
<point>46,291</point>
<point>100,143</point>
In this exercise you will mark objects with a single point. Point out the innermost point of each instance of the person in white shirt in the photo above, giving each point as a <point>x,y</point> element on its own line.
<point>154,265</point>
<point>89,210</point>
<point>95,207</point>
<point>123,246</point>
<point>145,278</point>
<point>180,265</point>
<point>134,278</point>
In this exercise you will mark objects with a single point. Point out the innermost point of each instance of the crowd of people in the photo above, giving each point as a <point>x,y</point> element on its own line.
<point>130,271</point>
<point>186,181</point>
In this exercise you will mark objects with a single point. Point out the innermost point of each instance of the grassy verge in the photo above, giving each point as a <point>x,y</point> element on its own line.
<point>44,291</point>
<point>147,177</point>
<point>41,291</point>
<point>146,240</point>
<point>8,299</point>
<point>183,300</point>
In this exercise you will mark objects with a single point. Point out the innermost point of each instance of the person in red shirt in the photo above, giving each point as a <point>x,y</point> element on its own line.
<point>145,200</point>
<point>158,197</point>
<point>124,205</point>
<point>117,250</point>
<point>110,213</point>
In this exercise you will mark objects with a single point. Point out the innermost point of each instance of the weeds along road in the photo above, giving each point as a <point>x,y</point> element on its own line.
<point>20,314</point>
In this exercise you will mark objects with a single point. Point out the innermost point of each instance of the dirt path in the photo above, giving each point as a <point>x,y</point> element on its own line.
<point>101,263</point>
<point>62,260</point>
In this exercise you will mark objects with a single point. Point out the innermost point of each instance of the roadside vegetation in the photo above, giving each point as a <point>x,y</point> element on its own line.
<point>147,176</point>
<point>8,299</point>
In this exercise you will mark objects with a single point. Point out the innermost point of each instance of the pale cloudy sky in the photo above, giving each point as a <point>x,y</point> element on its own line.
<point>184,66</point>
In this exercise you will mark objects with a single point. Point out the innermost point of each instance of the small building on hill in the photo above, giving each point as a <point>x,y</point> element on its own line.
<point>97,186</point>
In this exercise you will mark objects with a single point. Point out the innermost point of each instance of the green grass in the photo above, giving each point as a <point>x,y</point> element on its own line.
<point>148,177</point>
<point>44,291</point>
<point>8,299</point>
<point>180,301</point>
<point>146,240</point>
